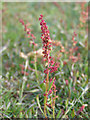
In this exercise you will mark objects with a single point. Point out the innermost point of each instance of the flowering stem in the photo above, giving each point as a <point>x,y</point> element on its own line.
<point>47,85</point>
<point>47,82</point>
<point>45,106</point>
<point>46,54</point>
<point>54,103</point>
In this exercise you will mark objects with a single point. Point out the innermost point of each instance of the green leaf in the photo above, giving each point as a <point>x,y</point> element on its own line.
<point>58,113</point>
<point>37,98</point>
<point>48,109</point>
<point>73,113</point>
<point>66,103</point>
<point>21,115</point>
<point>42,86</point>
<point>30,114</point>
<point>35,90</point>
<point>50,85</point>
<point>61,64</point>
<point>77,74</point>
<point>86,69</point>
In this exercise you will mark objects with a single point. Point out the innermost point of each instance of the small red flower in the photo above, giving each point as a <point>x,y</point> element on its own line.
<point>21,21</point>
<point>50,91</point>
<point>46,71</point>
<point>44,81</point>
<point>52,66</point>
<point>41,15</point>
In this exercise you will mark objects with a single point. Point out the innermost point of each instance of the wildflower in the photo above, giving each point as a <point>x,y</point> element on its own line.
<point>51,66</point>
<point>50,91</point>
<point>33,36</point>
<point>44,81</point>
<point>46,71</point>
<point>53,69</point>
<point>28,31</point>
<point>45,38</point>
<point>21,21</point>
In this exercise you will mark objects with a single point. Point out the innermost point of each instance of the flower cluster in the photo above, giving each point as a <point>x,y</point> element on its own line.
<point>47,47</point>
<point>28,31</point>
<point>74,49</point>
<point>73,39</point>
<point>31,37</point>
<point>45,38</point>
<point>84,14</point>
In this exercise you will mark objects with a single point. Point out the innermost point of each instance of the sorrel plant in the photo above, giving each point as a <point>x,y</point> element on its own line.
<point>51,65</point>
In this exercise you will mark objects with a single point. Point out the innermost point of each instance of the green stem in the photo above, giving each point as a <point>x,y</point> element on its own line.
<point>45,106</point>
<point>47,85</point>
<point>53,113</point>
<point>36,68</point>
<point>24,81</point>
<point>23,84</point>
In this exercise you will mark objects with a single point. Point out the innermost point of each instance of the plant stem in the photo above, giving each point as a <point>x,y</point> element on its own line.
<point>54,103</point>
<point>23,84</point>
<point>45,106</point>
<point>36,68</point>
<point>47,85</point>
<point>53,112</point>
<point>47,81</point>
<point>24,81</point>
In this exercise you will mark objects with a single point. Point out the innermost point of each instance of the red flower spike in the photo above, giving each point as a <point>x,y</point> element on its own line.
<point>52,66</point>
<point>41,15</point>
<point>28,31</point>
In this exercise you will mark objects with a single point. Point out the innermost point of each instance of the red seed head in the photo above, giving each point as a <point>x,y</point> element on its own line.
<point>21,21</point>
